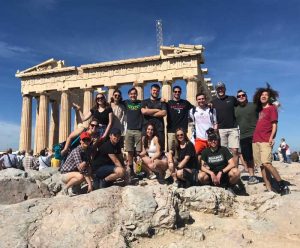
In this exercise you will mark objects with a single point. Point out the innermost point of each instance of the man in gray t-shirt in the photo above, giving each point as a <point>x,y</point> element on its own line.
<point>8,160</point>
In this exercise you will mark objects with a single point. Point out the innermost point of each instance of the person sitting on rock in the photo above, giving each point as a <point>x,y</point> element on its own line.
<point>183,159</point>
<point>30,162</point>
<point>45,159</point>
<point>77,168</point>
<point>217,164</point>
<point>8,160</point>
<point>108,163</point>
<point>153,161</point>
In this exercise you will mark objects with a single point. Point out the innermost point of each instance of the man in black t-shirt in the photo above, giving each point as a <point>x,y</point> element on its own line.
<point>154,111</point>
<point>227,125</point>
<point>177,115</point>
<point>133,135</point>
<point>217,165</point>
<point>108,162</point>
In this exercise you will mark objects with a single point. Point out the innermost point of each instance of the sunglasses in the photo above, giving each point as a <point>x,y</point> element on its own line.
<point>177,91</point>
<point>179,135</point>
<point>86,140</point>
<point>93,125</point>
<point>241,95</point>
<point>100,98</point>
<point>117,95</point>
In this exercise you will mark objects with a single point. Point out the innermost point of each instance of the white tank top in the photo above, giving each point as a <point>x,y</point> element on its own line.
<point>152,149</point>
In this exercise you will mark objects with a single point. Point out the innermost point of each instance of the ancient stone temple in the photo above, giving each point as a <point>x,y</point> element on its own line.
<point>55,84</point>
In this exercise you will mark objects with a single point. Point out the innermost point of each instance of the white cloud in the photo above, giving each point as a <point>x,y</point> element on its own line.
<point>9,51</point>
<point>203,39</point>
<point>9,135</point>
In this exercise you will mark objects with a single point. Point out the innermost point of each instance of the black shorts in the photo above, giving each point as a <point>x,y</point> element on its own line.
<point>224,182</point>
<point>246,149</point>
<point>104,171</point>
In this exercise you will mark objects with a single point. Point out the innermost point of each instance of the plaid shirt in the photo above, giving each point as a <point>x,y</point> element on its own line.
<point>76,157</point>
<point>30,163</point>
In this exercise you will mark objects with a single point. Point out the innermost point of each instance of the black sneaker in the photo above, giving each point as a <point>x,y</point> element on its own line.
<point>284,190</point>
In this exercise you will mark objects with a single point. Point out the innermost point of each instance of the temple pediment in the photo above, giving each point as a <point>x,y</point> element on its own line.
<point>44,66</point>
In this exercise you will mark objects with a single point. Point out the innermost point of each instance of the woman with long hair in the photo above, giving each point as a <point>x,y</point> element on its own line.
<point>118,108</point>
<point>183,159</point>
<point>101,111</point>
<point>152,157</point>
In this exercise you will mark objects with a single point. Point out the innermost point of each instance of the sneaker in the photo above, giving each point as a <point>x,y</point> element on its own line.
<point>253,180</point>
<point>152,176</point>
<point>285,190</point>
<point>71,193</point>
<point>231,191</point>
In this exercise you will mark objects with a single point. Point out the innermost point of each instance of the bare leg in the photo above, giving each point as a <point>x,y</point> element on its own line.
<point>74,178</point>
<point>234,176</point>
<point>265,177</point>
<point>203,178</point>
<point>235,155</point>
<point>118,173</point>
<point>273,171</point>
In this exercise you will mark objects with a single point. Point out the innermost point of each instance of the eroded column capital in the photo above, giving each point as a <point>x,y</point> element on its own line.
<point>191,78</point>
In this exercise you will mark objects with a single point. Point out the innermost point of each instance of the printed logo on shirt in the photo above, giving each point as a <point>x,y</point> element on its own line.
<point>215,159</point>
<point>134,106</point>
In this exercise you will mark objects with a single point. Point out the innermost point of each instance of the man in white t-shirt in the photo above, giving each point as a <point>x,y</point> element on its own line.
<point>204,118</point>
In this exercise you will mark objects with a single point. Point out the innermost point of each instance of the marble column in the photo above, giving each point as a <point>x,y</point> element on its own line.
<point>87,102</point>
<point>77,117</point>
<point>191,89</point>
<point>140,90</point>
<point>26,122</point>
<point>54,124</point>
<point>111,90</point>
<point>166,90</point>
<point>65,117</point>
<point>43,131</point>
<point>36,128</point>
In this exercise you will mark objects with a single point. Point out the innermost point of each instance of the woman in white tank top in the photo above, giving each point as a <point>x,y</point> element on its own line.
<point>152,154</point>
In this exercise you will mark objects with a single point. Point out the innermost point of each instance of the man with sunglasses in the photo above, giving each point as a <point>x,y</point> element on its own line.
<point>246,118</point>
<point>154,111</point>
<point>226,120</point>
<point>177,115</point>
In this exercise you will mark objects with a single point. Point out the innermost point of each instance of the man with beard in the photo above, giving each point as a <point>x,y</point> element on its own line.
<point>246,118</point>
<point>154,111</point>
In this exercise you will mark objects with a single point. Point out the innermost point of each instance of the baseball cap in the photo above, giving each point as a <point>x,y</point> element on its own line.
<point>85,135</point>
<point>115,131</point>
<point>220,85</point>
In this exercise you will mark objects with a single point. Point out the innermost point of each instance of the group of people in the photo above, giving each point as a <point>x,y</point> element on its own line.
<point>123,134</point>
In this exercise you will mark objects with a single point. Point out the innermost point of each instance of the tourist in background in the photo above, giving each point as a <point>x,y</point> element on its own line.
<point>45,159</point>
<point>177,115</point>
<point>8,160</point>
<point>30,162</point>
<point>284,148</point>
<point>246,117</point>
<point>264,136</point>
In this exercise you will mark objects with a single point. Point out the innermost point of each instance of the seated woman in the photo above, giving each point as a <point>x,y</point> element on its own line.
<point>101,112</point>
<point>183,159</point>
<point>217,164</point>
<point>151,154</point>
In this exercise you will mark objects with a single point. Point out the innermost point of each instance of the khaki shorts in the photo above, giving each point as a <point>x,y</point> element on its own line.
<point>262,153</point>
<point>171,141</point>
<point>133,139</point>
<point>230,137</point>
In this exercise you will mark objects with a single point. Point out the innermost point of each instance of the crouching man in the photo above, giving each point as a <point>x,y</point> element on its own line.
<point>217,165</point>
<point>108,162</point>
<point>77,167</point>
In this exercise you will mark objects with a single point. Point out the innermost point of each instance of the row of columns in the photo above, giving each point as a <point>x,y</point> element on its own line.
<point>49,131</point>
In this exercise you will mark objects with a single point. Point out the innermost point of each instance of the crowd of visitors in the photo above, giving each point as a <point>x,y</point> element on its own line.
<point>121,134</point>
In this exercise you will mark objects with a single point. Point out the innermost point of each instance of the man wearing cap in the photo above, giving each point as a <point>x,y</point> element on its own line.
<point>246,118</point>
<point>108,162</point>
<point>226,120</point>
<point>218,167</point>
<point>77,165</point>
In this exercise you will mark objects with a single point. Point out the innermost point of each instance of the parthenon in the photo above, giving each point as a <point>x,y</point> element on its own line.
<point>55,84</point>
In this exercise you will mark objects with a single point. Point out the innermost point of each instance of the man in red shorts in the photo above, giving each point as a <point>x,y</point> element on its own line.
<point>204,118</point>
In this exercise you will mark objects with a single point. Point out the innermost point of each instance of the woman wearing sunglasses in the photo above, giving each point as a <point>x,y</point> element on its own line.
<point>183,159</point>
<point>101,111</point>
<point>218,167</point>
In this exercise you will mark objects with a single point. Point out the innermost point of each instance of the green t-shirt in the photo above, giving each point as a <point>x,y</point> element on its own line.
<point>216,160</point>
<point>246,118</point>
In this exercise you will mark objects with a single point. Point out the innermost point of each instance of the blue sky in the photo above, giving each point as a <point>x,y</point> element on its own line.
<point>248,43</point>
